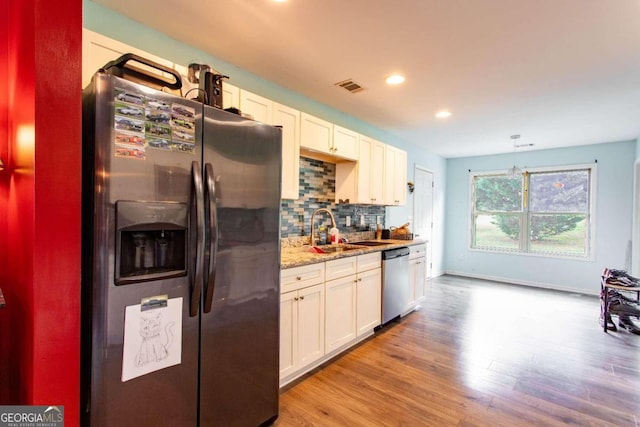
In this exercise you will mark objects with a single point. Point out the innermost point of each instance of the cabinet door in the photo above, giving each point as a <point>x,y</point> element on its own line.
<point>230,96</point>
<point>316,134</point>
<point>416,281</point>
<point>395,173</point>
<point>364,170</point>
<point>340,312</point>
<point>376,174</point>
<point>288,333</point>
<point>345,143</point>
<point>420,279</point>
<point>389,179</point>
<point>98,49</point>
<point>362,181</point>
<point>310,324</point>
<point>289,119</point>
<point>369,300</point>
<point>260,108</point>
<point>400,173</point>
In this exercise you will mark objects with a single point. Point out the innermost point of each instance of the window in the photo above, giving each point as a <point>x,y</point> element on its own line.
<point>542,212</point>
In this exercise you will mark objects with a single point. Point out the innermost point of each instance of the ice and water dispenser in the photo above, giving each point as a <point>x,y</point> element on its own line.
<point>151,241</point>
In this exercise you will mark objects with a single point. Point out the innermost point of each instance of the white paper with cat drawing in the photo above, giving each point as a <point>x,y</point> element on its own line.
<point>152,339</point>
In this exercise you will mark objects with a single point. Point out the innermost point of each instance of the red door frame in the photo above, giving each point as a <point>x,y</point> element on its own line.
<point>40,144</point>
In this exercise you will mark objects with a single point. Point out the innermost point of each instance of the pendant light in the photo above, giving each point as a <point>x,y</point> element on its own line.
<point>514,171</point>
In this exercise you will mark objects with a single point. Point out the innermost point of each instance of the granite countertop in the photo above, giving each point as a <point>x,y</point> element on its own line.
<point>298,256</point>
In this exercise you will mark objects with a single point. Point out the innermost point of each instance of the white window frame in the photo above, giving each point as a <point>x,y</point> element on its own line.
<point>591,226</point>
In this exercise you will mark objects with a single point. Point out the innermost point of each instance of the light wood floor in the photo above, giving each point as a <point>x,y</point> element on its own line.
<point>480,353</point>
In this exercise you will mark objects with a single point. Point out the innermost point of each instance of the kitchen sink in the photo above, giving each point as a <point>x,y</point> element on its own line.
<point>371,243</point>
<point>331,249</point>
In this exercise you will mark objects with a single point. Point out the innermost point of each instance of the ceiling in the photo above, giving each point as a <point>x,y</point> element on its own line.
<point>557,72</point>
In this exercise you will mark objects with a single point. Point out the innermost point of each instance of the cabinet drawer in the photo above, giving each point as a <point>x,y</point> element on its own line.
<point>369,261</point>
<point>341,267</point>
<point>417,251</point>
<point>301,277</point>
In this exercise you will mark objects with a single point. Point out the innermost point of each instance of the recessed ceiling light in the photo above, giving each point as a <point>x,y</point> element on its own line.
<point>443,114</point>
<point>395,79</point>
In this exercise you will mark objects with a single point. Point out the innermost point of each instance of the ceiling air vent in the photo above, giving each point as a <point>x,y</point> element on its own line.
<point>350,85</point>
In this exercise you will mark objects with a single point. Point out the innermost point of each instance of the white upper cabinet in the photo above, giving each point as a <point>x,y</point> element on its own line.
<point>289,119</point>
<point>258,107</point>
<point>266,111</point>
<point>316,134</point>
<point>230,96</point>
<point>324,137</point>
<point>362,181</point>
<point>98,50</point>
<point>345,143</point>
<point>395,173</point>
<point>371,176</point>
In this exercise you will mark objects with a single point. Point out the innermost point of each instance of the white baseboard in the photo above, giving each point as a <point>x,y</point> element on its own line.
<point>544,285</point>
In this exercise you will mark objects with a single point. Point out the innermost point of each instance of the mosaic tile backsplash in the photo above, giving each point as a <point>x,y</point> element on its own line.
<point>317,190</point>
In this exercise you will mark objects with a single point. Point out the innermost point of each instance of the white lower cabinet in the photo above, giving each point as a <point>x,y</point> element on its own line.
<point>318,320</point>
<point>301,328</point>
<point>417,275</point>
<point>368,301</point>
<point>310,324</point>
<point>340,318</point>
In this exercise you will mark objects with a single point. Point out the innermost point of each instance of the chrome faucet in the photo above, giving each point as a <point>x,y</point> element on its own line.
<point>313,215</point>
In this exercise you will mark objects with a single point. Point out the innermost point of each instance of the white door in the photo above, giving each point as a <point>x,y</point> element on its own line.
<point>423,210</point>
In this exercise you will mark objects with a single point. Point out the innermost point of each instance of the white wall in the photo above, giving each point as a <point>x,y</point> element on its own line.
<point>614,205</point>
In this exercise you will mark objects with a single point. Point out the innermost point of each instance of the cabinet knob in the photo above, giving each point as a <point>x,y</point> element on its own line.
<point>295,298</point>
<point>302,297</point>
<point>298,278</point>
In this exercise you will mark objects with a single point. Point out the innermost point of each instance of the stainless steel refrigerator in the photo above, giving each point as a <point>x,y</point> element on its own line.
<point>181,252</point>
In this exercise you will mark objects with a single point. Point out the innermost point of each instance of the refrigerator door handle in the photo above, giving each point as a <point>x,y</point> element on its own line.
<point>197,210</point>
<point>210,197</point>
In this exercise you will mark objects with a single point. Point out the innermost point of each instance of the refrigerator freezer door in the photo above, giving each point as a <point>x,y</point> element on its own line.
<point>138,146</point>
<point>239,337</point>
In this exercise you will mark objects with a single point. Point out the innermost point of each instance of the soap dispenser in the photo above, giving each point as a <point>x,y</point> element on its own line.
<point>335,235</point>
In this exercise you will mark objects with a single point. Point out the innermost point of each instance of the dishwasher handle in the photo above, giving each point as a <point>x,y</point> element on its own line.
<point>395,253</point>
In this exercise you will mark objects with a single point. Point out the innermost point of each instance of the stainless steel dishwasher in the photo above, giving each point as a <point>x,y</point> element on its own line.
<point>395,283</point>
